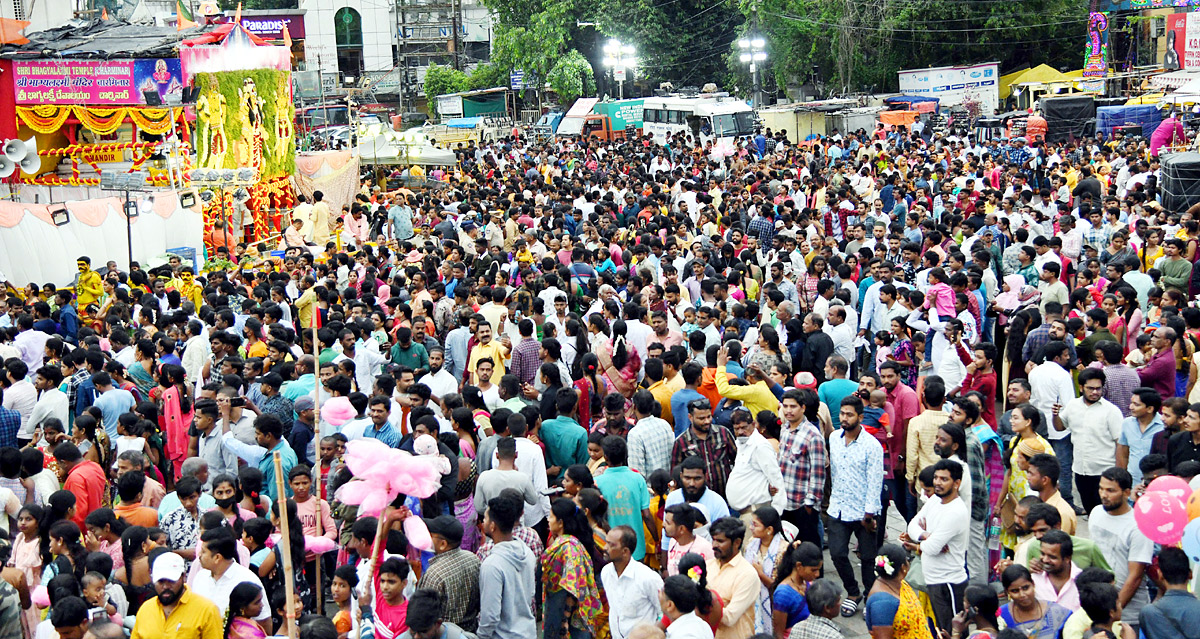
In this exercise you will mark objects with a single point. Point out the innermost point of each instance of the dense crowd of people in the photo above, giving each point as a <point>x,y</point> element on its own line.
<point>658,381</point>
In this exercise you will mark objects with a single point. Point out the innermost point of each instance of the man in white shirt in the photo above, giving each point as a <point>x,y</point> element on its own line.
<point>755,477</point>
<point>1052,390</point>
<point>632,587</point>
<point>220,573</point>
<point>30,341</point>
<point>939,534</point>
<point>532,462</point>
<point>1095,427</point>
<point>840,332</point>
<point>19,395</point>
<point>51,402</point>
<point>439,380</point>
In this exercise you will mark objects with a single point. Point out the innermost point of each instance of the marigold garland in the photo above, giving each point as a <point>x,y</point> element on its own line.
<point>47,119</point>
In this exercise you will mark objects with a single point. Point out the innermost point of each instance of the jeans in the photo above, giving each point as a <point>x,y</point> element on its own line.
<point>895,490</point>
<point>977,554</point>
<point>1089,491</point>
<point>839,549</point>
<point>1065,454</point>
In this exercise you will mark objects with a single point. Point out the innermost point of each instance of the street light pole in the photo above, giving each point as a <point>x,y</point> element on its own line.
<point>752,53</point>
<point>619,57</point>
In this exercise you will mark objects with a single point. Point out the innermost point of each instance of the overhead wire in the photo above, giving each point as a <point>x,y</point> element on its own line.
<point>902,30</point>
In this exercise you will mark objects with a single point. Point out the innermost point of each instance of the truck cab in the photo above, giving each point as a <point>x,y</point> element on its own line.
<point>592,125</point>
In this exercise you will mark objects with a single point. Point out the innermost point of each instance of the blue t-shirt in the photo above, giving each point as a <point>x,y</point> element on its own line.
<point>787,599</point>
<point>679,412</point>
<point>831,393</point>
<point>627,497</point>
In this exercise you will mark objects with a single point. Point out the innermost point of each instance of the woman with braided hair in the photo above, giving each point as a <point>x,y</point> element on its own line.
<point>245,603</point>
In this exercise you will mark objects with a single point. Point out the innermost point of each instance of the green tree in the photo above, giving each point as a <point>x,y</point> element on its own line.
<point>571,78</point>
<point>681,41</point>
<point>441,80</point>
<point>487,76</point>
<point>856,44</point>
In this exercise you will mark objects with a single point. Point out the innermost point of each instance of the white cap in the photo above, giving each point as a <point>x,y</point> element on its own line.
<point>169,567</point>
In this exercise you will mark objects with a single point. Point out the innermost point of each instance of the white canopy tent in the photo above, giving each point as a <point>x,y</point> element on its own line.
<point>379,145</point>
<point>1188,93</point>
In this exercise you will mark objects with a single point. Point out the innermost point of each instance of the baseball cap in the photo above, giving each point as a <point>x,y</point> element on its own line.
<point>446,526</point>
<point>304,402</point>
<point>168,566</point>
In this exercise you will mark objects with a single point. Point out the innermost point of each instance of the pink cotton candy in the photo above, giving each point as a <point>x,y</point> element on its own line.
<point>381,474</point>
<point>337,411</point>
<point>319,545</point>
<point>40,597</point>
<point>417,533</point>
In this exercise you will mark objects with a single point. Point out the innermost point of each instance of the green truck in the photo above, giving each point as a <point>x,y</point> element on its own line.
<point>623,113</point>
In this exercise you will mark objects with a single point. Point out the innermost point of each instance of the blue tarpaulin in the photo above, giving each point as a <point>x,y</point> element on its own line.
<point>1146,115</point>
<point>464,123</point>
<point>909,100</point>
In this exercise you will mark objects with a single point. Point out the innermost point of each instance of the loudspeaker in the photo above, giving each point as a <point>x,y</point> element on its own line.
<point>16,150</point>
<point>7,167</point>
<point>31,163</point>
<point>152,97</point>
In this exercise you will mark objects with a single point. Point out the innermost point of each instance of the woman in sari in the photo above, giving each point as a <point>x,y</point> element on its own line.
<point>592,390</point>
<point>595,508</point>
<point>1036,618</point>
<point>903,352</point>
<point>1027,443</point>
<point>766,352</point>
<point>245,603</point>
<point>763,551</point>
<point>141,372</point>
<point>568,579</point>
<point>176,415</point>
<point>464,495</point>
<point>1131,316</point>
<point>892,609</point>
<point>619,364</point>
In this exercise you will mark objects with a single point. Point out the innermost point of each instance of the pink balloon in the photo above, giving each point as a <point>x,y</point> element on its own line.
<point>1161,517</point>
<point>1173,486</point>
<point>417,533</point>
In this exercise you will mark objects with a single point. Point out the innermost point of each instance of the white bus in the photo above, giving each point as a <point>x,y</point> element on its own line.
<point>704,118</point>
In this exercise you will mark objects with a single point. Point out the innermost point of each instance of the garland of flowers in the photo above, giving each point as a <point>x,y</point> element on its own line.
<point>47,119</point>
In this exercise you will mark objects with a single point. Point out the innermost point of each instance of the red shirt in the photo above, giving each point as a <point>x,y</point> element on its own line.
<point>87,481</point>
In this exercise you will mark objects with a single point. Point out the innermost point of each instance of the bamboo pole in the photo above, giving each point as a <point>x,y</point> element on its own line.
<point>379,533</point>
<point>317,466</point>
<point>289,617</point>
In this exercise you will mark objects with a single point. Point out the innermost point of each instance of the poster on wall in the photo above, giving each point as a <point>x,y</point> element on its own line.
<point>95,82</point>
<point>1183,42</point>
<point>1095,60</point>
<point>953,85</point>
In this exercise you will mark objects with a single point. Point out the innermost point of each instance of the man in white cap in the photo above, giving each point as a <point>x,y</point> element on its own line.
<point>176,613</point>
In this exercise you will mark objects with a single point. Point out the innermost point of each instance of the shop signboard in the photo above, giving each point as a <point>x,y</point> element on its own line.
<point>953,85</point>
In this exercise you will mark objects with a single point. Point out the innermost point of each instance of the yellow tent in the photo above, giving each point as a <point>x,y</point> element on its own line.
<point>1041,74</point>
<point>1148,98</point>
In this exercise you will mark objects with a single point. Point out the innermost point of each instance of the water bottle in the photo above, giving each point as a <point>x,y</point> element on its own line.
<point>994,533</point>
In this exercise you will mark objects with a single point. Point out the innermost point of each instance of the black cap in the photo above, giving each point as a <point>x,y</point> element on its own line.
<point>446,526</point>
